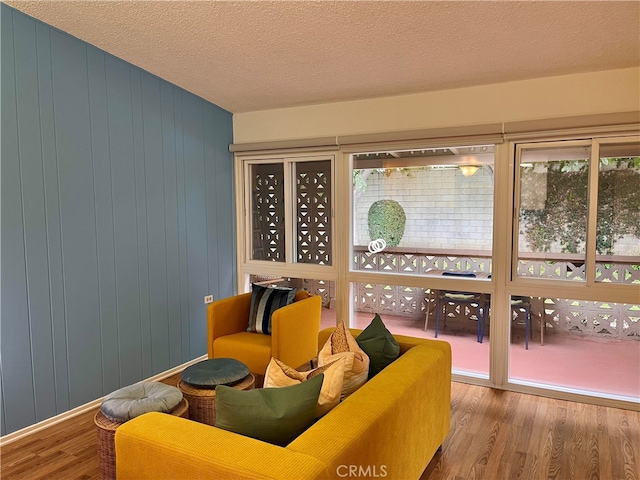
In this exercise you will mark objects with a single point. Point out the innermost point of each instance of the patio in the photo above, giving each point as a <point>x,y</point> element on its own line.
<point>568,360</point>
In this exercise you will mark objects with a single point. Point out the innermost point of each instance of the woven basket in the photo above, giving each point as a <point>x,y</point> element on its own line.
<point>106,439</point>
<point>202,401</point>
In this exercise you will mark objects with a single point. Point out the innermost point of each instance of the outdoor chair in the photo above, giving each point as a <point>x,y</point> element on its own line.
<point>519,303</point>
<point>448,297</point>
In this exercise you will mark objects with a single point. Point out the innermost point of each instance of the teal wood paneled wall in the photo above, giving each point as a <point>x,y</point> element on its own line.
<point>117,218</point>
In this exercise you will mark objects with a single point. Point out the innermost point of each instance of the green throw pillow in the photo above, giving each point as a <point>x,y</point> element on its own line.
<point>273,415</point>
<point>378,343</point>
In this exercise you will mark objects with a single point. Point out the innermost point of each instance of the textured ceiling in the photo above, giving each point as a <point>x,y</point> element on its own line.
<point>256,55</point>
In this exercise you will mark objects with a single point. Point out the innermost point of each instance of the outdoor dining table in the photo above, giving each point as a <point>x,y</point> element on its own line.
<point>467,274</point>
<point>435,293</point>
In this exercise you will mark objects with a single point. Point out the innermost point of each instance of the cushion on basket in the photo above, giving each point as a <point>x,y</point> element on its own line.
<point>215,371</point>
<point>134,400</point>
<point>265,301</point>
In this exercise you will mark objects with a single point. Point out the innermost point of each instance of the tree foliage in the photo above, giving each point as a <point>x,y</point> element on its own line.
<point>563,219</point>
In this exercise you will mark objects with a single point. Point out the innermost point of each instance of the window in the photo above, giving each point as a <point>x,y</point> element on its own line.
<point>426,215</point>
<point>286,222</point>
<point>423,211</point>
<point>268,238</point>
<point>313,212</point>
<point>525,257</point>
<point>553,204</point>
<point>577,237</point>
<point>579,211</point>
<point>618,214</point>
<point>290,199</point>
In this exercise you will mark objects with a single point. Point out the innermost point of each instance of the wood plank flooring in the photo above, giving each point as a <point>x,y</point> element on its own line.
<point>499,435</point>
<point>64,451</point>
<point>495,435</point>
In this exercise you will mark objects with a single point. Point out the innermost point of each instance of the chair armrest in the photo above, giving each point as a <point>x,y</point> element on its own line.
<point>227,316</point>
<point>294,331</point>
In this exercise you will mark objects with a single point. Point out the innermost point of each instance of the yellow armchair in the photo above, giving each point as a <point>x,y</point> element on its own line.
<point>293,339</point>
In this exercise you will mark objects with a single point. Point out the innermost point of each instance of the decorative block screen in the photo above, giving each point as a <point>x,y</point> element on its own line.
<point>267,190</point>
<point>313,212</point>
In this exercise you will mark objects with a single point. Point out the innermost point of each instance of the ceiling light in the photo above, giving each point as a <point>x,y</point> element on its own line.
<point>468,170</point>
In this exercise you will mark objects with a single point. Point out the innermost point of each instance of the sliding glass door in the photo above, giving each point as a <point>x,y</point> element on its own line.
<point>578,246</point>
<point>422,233</point>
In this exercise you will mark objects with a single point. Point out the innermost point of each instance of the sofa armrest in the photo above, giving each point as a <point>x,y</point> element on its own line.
<point>227,316</point>
<point>294,331</point>
<point>156,445</point>
<point>397,420</point>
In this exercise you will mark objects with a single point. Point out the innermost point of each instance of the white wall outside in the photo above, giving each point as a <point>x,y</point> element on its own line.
<point>444,209</point>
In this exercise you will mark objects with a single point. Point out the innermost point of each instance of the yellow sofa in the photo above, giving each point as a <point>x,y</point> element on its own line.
<point>293,339</point>
<point>391,427</point>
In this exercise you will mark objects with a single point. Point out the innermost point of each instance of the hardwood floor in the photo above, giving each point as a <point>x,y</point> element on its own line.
<point>64,451</point>
<point>498,435</point>
<point>495,435</point>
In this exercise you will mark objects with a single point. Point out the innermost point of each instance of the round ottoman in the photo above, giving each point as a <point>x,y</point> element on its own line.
<point>198,383</point>
<point>127,403</point>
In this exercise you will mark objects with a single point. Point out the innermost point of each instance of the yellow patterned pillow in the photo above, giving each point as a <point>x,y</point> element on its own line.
<point>280,375</point>
<point>341,344</point>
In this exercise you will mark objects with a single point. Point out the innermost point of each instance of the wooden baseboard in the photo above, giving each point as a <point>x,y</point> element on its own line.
<point>36,427</point>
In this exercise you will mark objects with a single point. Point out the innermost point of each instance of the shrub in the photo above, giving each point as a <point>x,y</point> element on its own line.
<point>386,220</point>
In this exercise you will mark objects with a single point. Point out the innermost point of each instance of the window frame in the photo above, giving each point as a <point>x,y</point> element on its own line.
<point>246,265</point>
<point>589,289</point>
<point>502,285</point>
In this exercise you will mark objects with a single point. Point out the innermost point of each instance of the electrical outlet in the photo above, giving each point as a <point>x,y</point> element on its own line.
<point>208,298</point>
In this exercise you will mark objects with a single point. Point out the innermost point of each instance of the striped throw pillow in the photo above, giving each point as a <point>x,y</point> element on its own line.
<point>265,301</point>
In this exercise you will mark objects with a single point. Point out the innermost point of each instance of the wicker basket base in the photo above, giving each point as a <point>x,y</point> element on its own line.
<point>202,401</point>
<point>106,439</point>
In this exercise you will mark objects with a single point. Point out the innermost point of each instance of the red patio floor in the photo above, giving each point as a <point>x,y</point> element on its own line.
<point>607,366</point>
